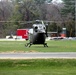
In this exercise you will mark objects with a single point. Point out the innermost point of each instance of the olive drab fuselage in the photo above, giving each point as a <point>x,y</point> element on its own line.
<point>37,34</point>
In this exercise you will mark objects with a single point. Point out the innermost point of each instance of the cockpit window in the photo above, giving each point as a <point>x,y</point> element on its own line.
<point>40,26</point>
<point>38,22</point>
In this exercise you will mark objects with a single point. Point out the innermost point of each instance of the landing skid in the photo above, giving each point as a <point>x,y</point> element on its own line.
<point>45,45</point>
<point>29,45</point>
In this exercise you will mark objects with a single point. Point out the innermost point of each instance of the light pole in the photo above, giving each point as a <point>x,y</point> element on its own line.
<point>75,18</point>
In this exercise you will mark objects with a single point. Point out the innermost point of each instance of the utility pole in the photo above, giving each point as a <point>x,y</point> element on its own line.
<point>75,18</point>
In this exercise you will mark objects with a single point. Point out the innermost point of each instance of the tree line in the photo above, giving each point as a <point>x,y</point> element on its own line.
<point>15,12</point>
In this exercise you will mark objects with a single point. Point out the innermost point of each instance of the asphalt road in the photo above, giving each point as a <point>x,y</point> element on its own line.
<point>66,55</point>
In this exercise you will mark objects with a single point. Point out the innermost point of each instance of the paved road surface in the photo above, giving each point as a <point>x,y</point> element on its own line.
<point>70,55</point>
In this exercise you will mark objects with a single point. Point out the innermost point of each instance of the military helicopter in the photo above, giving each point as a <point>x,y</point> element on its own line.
<point>38,33</point>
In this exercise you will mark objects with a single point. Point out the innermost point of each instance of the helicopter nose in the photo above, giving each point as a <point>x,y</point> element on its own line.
<point>41,31</point>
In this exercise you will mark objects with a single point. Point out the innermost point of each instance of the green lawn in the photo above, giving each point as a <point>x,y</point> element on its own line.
<point>38,67</point>
<point>54,46</point>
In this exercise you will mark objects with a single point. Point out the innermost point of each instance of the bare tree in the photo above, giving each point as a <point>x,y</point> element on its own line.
<point>5,13</point>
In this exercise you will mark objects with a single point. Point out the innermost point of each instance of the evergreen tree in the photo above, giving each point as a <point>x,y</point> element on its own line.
<point>69,8</point>
<point>69,14</point>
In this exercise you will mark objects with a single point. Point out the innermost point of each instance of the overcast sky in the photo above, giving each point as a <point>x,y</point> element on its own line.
<point>54,0</point>
<point>57,1</point>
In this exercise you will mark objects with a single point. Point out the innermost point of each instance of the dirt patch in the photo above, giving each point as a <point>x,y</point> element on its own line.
<point>15,51</point>
<point>32,51</point>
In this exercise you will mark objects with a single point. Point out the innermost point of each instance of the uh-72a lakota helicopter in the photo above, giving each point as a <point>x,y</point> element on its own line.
<point>38,33</point>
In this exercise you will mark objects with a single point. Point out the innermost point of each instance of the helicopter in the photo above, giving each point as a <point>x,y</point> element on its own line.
<point>38,34</point>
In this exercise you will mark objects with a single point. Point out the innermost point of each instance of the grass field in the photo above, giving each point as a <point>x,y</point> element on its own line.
<point>38,67</point>
<point>54,46</point>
